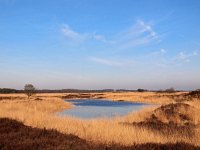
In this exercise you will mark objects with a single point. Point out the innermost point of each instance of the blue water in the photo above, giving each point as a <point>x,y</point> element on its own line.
<point>93,108</point>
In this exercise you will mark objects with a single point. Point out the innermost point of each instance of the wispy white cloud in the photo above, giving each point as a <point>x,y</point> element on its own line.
<point>158,58</point>
<point>110,62</point>
<point>102,39</point>
<point>105,61</point>
<point>139,34</point>
<point>185,57</point>
<point>162,51</point>
<point>146,28</point>
<point>73,35</point>
<point>177,60</point>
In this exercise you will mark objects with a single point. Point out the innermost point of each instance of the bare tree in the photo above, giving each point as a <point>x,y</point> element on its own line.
<point>29,90</point>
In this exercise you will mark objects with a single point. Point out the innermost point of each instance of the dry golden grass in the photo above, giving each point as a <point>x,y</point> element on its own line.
<point>41,105</point>
<point>146,97</point>
<point>39,114</point>
<point>195,115</point>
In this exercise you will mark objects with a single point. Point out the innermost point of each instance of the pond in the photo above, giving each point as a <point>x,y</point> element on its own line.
<point>93,108</point>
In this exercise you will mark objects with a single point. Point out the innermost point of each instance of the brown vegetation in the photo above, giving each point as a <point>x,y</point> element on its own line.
<point>145,97</point>
<point>15,135</point>
<point>172,119</point>
<point>186,96</point>
<point>83,95</point>
<point>193,95</point>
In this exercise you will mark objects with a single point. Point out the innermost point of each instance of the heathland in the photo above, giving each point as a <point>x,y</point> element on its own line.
<point>175,120</point>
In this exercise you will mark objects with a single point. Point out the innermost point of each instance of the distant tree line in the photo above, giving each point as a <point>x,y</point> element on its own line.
<point>73,91</point>
<point>9,90</point>
<point>28,87</point>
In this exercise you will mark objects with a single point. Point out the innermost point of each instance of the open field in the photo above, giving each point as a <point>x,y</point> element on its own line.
<point>143,97</point>
<point>174,122</point>
<point>146,97</point>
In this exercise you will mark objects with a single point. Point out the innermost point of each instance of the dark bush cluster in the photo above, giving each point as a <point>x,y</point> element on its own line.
<point>7,90</point>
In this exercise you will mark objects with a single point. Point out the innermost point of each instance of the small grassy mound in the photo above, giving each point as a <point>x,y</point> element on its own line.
<point>193,94</point>
<point>180,114</point>
<point>171,119</point>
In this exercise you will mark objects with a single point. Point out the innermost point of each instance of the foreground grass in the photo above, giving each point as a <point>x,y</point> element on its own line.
<point>24,137</point>
<point>39,113</point>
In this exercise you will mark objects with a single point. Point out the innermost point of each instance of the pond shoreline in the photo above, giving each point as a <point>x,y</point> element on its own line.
<point>103,108</point>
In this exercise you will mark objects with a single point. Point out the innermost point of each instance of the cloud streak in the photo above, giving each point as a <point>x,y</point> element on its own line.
<point>75,36</point>
<point>112,63</point>
<point>178,59</point>
<point>72,35</point>
<point>143,27</point>
<point>139,34</point>
<point>102,39</point>
<point>183,57</point>
<point>161,52</point>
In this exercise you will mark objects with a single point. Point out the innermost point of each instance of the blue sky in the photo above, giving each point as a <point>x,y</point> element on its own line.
<point>97,44</point>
